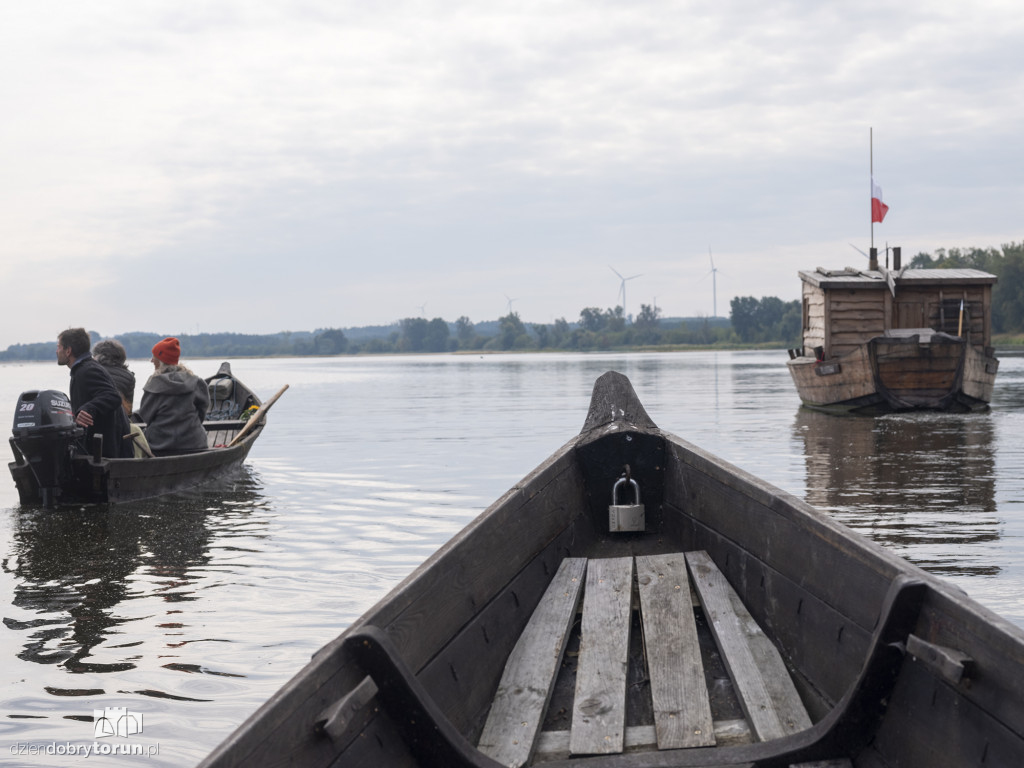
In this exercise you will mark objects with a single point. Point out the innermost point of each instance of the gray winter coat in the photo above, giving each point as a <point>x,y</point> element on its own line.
<point>174,404</point>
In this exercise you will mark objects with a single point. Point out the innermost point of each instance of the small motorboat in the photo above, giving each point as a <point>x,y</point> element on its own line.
<point>52,466</point>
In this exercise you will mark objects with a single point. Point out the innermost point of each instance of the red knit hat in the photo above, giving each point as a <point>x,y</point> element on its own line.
<point>167,351</point>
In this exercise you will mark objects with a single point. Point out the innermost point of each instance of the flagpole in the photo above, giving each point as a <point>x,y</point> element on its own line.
<point>871,163</point>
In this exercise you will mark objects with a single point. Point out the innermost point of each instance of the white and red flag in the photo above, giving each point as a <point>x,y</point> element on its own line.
<point>878,208</point>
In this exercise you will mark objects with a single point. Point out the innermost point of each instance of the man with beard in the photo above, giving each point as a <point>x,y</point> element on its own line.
<point>94,398</point>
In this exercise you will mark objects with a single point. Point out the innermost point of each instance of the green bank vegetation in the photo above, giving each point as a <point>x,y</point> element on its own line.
<point>767,320</point>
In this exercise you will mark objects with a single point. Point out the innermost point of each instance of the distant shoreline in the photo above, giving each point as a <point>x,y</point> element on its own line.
<point>1009,342</point>
<point>724,346</point>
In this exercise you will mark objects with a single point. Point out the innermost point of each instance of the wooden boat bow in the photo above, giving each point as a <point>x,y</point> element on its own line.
<point>890,666</point>
<point>615,402</point>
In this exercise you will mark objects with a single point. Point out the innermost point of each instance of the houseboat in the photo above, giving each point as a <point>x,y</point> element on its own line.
<point>881,340</point>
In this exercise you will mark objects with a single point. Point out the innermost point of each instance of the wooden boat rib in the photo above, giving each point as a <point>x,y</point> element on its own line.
<point>91,478</point>
<point>861,658</point>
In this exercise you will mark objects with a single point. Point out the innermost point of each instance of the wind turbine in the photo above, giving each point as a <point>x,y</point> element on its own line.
<point>714,284</point>
<point>423,309</point>
<point>622,287</point>
<point>510,300</point>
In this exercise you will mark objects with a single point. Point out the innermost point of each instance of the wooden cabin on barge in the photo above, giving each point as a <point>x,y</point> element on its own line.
<point>881,340</point>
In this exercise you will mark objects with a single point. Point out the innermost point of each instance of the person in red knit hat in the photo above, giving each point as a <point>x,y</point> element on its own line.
<point>167,351</point>
<point>174,403</point>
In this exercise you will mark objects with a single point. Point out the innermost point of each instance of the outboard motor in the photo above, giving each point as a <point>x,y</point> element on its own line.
<point>45,434</point>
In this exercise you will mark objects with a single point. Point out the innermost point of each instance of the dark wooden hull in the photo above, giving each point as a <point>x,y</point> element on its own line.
<point>109,481</point>
<point>817,589</point>
<point>899,374</point>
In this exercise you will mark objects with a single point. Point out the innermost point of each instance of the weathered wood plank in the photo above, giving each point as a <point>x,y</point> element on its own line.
<point>682,710</point>
<point>599,709</point>
<point>522,697</point>
<point>815,635</point>
<point>554,745</point>
<point>763,685</point>
<point>465,674</point>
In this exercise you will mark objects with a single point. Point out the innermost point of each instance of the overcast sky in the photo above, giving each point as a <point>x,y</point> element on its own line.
<point>181,167</point>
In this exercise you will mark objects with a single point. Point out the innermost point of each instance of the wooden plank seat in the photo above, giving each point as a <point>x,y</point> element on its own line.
<point>220,433</point>
<point>682,714</point>
<point>514,722</point>
<point>219,438</point>
<point>763,685</point>
<point>393,688</point>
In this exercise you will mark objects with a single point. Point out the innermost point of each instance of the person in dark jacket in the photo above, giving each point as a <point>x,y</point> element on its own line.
<point>94,398</point>
<point>174,404</point>
<point>110,353</point>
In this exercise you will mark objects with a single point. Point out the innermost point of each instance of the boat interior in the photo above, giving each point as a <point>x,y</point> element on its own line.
<point>228,397</point>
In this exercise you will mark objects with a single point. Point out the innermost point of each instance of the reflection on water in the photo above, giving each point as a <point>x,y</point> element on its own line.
<point>921,484</point>
<point>103,601</point>
<point>194,609</point>
<point>78,565</point>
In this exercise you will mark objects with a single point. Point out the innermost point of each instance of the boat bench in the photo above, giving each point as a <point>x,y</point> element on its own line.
<point>513,735</point>
<point>224,434</point>
<point>774,718</point>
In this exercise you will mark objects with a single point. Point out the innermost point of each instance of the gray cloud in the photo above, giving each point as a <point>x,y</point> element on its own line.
<point>345,162</point>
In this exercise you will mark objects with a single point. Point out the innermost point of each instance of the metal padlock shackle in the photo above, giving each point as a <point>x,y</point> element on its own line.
<point>615,490</point>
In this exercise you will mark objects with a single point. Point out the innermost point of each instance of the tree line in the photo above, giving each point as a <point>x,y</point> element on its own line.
<point>595,329</point>
<point>140,345</point>
<point>768,320</point>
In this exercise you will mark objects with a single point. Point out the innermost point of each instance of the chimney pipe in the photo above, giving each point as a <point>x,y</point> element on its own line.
<point>873,259</point>
<point>896,257</point>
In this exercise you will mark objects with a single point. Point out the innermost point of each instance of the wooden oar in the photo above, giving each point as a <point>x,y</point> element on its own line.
<point>254,419</point>
<point>134,437</point>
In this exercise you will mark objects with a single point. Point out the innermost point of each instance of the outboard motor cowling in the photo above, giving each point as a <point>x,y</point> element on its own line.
<point>45,433</point>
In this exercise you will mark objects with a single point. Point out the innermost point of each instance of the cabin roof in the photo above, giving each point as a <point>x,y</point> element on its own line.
<point>869,279</point>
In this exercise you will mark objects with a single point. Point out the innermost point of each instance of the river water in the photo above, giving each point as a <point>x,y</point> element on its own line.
<point>192,610</point>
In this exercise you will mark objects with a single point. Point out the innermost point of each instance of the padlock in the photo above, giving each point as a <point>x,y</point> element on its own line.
<point>626,517</point>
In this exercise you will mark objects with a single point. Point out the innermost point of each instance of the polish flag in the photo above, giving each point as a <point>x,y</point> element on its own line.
<point>878,208</point>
